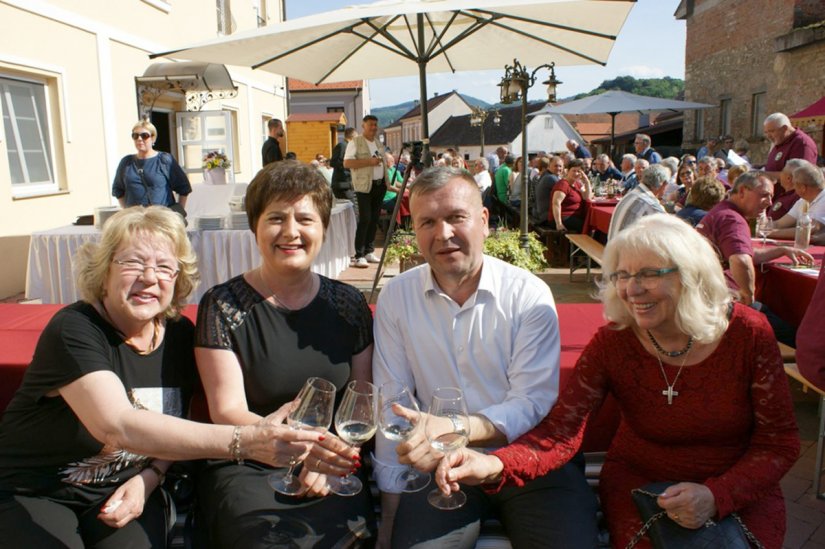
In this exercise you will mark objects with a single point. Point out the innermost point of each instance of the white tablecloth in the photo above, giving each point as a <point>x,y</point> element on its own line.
<point>222,254</point>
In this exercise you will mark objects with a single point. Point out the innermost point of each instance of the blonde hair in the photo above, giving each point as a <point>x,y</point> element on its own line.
<point>146,125</point>
<point>94,259</point>
<point>702,309</point>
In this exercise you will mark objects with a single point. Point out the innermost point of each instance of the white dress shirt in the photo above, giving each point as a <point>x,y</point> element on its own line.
<point>483,180</point>
<point>501,348</point>
<point>816,208</point>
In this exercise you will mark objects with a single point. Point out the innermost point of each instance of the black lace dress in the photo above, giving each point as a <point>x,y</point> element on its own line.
<point>277,351</point>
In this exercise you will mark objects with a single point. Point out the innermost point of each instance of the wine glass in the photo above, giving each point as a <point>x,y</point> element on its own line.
<point>398,428</point>
<point>355,423</point>
<point>448,403</point>
<point>764,225</point>
<point>316,401</point>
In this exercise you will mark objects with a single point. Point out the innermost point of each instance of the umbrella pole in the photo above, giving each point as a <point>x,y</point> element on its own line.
<point>422,88</point>
<point>612,136</point>
<point>524,239</point>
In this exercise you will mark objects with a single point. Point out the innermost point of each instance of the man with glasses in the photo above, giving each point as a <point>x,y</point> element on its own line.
<point>643,149</point>
<point>726,226</point>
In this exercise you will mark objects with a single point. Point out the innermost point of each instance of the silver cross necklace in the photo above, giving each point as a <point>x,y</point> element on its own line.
<point>669,392</point>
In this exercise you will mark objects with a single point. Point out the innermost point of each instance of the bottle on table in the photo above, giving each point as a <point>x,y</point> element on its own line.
<point>802,236</point>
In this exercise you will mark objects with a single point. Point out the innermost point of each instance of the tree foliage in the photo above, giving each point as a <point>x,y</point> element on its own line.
<point>666,88</point>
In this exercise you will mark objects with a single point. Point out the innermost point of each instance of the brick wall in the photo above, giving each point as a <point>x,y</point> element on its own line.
<point>731,53</point>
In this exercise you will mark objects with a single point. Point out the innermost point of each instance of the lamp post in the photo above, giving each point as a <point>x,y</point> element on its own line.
<point>514,85</point>
<point>479,116</point>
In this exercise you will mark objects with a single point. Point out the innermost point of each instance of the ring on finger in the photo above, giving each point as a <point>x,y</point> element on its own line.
<point>318,463</point>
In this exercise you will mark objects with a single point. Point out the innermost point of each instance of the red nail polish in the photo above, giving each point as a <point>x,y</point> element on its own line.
<point>320,438</point>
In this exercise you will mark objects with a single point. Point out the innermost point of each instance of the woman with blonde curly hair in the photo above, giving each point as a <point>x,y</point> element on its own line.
<point>86,440</point>
<point>699,381</point>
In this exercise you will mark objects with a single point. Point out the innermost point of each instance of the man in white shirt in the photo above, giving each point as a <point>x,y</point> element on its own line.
<point>481,173</point>
<point>364,159</point>
<point>809,184</point>
<point>641,201</point>
<point>477,323</point>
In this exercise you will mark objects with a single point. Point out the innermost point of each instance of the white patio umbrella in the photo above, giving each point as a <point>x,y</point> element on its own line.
<point>403,37</point>
<point>613,102</point>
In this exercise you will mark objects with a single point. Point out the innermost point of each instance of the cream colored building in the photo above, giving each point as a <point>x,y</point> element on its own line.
<point>69,98</point>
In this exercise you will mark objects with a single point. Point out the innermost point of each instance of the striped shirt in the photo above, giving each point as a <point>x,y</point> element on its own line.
<point>638,203</point>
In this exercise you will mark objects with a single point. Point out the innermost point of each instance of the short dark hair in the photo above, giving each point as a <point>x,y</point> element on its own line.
<point>433,179</point>
<point>370,117</point>
<point>509,159</point>
<point>274,123</point>
<point>288,180</point>
<point>348,133</point>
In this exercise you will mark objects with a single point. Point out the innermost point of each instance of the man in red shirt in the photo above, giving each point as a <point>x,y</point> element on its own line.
<point>788,142</point>
<point>726,227</point>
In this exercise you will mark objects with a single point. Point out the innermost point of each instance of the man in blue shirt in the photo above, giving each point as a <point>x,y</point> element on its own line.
<point>644,150</point>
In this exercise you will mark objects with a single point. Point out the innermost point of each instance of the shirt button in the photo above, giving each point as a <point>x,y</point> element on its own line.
<point>460,348</point>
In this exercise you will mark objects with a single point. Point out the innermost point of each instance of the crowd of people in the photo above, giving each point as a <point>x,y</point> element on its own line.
<point>103,410</point>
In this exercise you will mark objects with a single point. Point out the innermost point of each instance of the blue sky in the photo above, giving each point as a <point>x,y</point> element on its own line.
<point>650,45</point>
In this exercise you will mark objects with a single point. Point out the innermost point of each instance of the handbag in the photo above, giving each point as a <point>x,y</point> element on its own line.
<point>664,533</point>
<point>176,207</point>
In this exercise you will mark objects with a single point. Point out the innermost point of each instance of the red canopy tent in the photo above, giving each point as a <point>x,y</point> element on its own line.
<point>813,114</point>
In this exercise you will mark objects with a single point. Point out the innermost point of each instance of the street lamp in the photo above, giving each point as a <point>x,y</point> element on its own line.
<point>477,118</point>
<point>514,85</point>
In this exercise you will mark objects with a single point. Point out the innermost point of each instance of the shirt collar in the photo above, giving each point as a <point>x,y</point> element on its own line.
<point>485,284</point>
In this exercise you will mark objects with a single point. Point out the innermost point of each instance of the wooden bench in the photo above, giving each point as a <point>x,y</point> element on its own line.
<point>792,371</point>
<point>584,247</point>
<point>557,251</point>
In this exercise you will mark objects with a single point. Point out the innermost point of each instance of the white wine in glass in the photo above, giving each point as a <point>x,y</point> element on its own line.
<point>448,403</point>
<point>355,423</point>
<point>398,429</point>
<point>316,401</point>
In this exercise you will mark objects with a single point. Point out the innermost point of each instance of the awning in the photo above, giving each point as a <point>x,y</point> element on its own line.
<point>812,113</point>
<point>199,82</point>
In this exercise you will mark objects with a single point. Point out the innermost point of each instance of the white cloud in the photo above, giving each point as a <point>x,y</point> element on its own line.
<point>641,71</point>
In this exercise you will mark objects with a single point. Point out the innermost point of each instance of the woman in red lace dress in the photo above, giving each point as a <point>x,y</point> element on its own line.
<point>699,380</point>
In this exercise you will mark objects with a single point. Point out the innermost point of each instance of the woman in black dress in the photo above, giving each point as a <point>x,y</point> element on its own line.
<point>259,337</point>
<point>85,442</point>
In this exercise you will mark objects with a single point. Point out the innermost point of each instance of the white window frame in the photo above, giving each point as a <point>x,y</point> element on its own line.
<point>25,190</point>
<point>225,145</point>
<point>757,118</point>
<point>725,115</point>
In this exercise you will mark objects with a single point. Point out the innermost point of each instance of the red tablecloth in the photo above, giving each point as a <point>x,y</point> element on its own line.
<point>598,215</point>
<point>787,291</point>
<point>20,327</point>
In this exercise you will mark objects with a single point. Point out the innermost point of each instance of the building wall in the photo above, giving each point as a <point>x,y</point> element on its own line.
<point>454,106</point>
<point>352,102</point>
<point>87,54</point>
<point>544,137</point>
<point>732,54</point>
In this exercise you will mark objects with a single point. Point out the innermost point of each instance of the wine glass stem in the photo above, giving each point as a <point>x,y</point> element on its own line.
<point>289,472</point>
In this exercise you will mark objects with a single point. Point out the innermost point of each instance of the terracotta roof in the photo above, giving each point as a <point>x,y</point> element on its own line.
<point>302,85</point>
<point>316,117</point>
<point>432,103</point>
<point>457,131</point>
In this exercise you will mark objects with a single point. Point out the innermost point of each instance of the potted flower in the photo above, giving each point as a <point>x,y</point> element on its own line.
<point>503,244</point>
<point>214,167</point>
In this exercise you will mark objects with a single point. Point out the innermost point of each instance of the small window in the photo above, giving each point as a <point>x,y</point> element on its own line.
<point>260,11</point>
<point>28,138</point>
<point>757,113</point>
<point>699,125</point>
<point>724,116</point>
<point>335,109</point>
<point>549,123</point>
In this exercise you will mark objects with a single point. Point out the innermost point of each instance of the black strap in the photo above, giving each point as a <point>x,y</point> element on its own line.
<point>139,171</point>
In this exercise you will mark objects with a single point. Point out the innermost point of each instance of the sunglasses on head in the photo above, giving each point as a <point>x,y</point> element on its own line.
<point>143,135</point>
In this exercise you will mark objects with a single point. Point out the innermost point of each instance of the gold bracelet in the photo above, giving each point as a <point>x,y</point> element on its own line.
<point>161,475</point>
<point>235,446</point>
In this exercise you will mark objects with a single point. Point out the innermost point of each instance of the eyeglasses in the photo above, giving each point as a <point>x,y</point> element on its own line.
<point>648,279</point>
<point>143,135</point>
<point>133,267</point>
<point>690,162</point>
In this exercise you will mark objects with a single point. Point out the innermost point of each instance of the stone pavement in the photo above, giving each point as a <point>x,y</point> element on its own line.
<point>805,513</point>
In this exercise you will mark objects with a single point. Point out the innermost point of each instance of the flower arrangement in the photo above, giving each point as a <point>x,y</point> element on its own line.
<point>215,159</point>
<point>503,244</point>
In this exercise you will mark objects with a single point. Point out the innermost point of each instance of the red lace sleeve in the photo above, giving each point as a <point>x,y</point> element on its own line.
<point>774,443</point>
<point>555,440</point>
